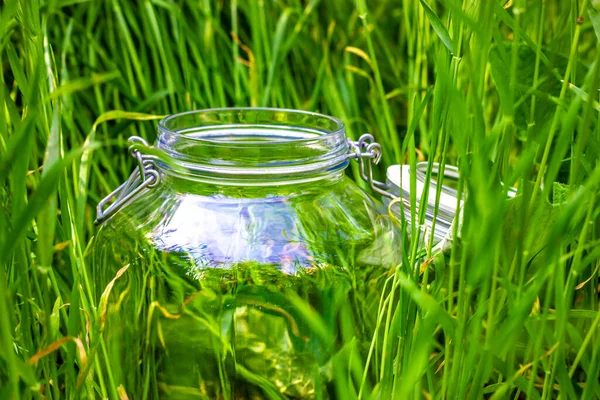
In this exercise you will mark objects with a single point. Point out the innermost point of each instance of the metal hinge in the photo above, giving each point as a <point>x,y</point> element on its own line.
<point>367,152</point>
<point>144,177</point>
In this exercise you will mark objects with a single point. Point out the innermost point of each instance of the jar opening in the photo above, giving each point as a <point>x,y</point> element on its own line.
<point>254,142</point>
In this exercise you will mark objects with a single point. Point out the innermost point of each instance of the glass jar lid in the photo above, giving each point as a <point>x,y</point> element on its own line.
<point>399,178</point>
<point>399,181</point>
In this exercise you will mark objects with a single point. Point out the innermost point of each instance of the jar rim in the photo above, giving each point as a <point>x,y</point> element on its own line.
<point>254,143</point>
<point>164,122</point>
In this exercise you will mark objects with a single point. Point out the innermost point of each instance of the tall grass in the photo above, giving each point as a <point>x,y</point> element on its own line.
<point>507,91</point>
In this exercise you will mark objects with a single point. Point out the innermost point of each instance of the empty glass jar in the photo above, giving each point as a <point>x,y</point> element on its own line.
<point>247,264</point>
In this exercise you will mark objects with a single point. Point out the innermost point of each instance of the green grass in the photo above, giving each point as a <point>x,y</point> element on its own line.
<point>508,93</point>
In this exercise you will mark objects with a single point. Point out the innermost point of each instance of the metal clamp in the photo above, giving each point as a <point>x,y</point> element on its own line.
<point>368,153</point>
<point>145,176</point>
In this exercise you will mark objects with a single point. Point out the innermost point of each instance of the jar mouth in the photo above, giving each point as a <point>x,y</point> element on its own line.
<point>254,142</point>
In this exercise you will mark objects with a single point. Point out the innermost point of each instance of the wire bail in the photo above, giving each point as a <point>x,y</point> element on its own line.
<point>368,153</point>
<point>145,176</point>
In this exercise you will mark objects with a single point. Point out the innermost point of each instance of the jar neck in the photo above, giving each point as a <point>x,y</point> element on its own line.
<point>252,147</point>
<point>244,188</point>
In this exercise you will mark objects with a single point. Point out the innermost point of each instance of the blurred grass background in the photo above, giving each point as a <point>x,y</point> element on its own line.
<point>507,91</point>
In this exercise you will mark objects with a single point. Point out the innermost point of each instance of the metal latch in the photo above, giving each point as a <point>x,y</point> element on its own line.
<point>368,153</point>
<point>145,176</point>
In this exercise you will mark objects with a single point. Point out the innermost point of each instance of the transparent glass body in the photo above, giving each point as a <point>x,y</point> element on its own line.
<point>252,270</point>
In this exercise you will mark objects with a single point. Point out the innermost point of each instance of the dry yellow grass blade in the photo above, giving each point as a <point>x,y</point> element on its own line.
<point>104,298</point>
<point>57,345</point>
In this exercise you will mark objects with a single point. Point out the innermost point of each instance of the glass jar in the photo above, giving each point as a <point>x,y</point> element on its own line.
<point>241,261</point>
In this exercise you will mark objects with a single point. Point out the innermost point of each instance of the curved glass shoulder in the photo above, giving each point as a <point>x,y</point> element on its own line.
<point>302,226</point>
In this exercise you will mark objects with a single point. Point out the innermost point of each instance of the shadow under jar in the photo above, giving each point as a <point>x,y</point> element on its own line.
<point>250,266</point>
